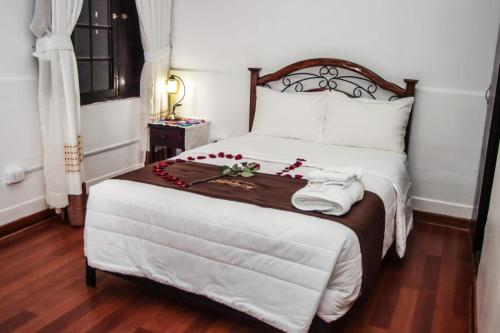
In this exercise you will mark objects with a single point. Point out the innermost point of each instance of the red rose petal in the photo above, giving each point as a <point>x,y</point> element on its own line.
<point>297,164</point>
<point>298,176</point>
<point>230,156</point>
<point>291,167</point>
<point>212,155</point>
<point>221,154</point>
<point>190,158</point>
<point>201,157</point>
<point>238,157</point>
<point>179,183</point>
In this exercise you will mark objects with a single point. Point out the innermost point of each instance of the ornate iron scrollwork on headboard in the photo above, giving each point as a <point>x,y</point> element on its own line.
<point>330,78</point>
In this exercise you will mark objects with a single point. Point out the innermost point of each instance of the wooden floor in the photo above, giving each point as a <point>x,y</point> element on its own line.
<point>42,289</point>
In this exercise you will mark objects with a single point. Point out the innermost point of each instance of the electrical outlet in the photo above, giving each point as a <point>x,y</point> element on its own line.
<point>13,175</point>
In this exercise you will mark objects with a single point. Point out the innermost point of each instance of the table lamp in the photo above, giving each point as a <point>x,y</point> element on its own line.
<point>173,88</point>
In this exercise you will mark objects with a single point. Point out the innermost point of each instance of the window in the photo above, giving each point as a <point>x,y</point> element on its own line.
<point>108,50</point>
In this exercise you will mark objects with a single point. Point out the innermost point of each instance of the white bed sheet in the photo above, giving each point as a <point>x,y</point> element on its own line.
<point>280,267</point>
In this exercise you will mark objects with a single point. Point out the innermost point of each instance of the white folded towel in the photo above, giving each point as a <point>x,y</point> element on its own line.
<point>328,197</point>
<point>339,175</point>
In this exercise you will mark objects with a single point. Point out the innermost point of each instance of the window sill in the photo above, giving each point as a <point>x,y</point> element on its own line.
<point>110,100</point>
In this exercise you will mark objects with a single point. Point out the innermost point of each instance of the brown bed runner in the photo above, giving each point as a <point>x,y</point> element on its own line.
<point>366,218</point>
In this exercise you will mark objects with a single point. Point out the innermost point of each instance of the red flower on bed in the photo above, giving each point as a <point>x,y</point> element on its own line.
<point>221,154</point>
<point>230,156</point>
<point>201,157</point>
<point>298,176</point>
<point>212,155</point>
<point>181,183</point>
<point>238,157</point>
<point>191,158</point>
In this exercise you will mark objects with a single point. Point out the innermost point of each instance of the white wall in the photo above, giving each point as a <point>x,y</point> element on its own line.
<point>447,44</point>
<point>105,125</point>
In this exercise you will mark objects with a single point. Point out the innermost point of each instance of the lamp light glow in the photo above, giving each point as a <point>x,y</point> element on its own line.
<point>172,86</point>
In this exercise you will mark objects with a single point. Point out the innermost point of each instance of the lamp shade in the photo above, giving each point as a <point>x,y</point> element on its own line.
<point>172,86</point>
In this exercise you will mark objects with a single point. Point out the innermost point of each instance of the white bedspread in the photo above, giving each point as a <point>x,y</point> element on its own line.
<point>278,266</point>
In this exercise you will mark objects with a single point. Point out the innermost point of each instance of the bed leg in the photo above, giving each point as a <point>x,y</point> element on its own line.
<point>89,275</point>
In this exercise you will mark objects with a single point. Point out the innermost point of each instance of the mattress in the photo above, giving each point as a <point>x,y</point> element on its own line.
<point>257,260</point>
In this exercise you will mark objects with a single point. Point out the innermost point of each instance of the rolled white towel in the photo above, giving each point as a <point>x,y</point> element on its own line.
<point>328,197</point>
<point>339,175</point>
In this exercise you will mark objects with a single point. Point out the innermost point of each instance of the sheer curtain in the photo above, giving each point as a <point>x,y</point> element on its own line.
<point>155,18</point>
<point>59,104</point>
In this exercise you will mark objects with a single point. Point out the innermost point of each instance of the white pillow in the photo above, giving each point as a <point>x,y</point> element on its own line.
<point>290,115</point>
<point>368,123</point>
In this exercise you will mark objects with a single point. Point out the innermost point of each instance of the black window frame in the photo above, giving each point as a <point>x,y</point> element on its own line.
<point>126,55</point>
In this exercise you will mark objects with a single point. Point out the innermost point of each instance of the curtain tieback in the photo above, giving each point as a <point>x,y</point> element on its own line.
<point>157,55</point>
<point>55,42</point>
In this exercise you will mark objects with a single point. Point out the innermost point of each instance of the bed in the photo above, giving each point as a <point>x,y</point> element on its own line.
<point>279,266</point>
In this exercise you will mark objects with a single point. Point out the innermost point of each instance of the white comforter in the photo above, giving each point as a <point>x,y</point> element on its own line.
<point>278,266</point>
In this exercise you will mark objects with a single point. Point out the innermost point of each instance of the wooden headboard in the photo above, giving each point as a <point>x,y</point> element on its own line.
<point>329,74</point>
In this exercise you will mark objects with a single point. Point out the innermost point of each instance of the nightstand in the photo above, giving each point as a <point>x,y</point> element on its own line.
<point>173,136</point>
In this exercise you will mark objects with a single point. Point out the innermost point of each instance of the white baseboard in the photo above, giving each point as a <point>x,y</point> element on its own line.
<point>442,207</point>
<point>99,179</point>
<point>23,209</point>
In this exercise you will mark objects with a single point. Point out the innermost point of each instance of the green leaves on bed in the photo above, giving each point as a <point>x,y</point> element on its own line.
<point>244,169</point>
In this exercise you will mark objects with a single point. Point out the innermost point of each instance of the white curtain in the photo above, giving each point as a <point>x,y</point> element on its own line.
<point>58,98</point>
<point>155,22</point>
